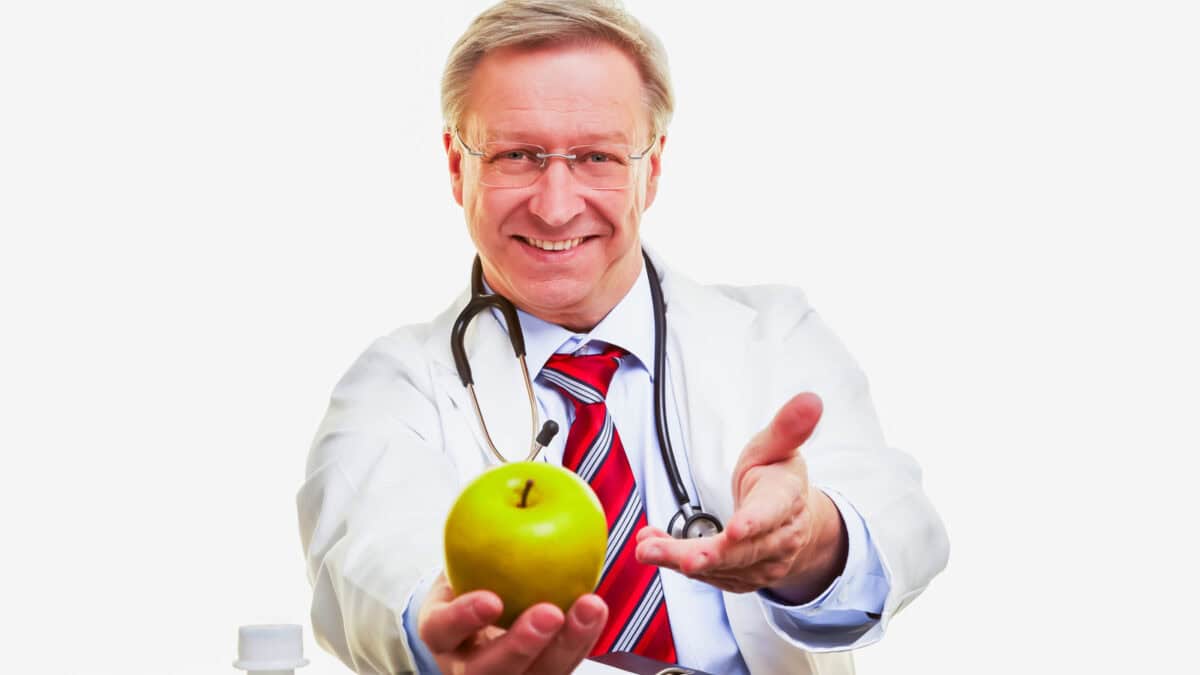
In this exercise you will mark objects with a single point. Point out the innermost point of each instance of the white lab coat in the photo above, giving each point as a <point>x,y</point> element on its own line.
<point>400,440</point>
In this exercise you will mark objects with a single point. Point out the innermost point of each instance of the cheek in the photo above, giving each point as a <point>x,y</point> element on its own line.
<point>485,212</point>
<point>632,216</point>
<point>619,209</point>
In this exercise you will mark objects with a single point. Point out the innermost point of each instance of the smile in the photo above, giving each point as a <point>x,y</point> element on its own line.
<point>545,245</point>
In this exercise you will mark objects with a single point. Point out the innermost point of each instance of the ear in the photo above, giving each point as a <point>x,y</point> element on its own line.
<point>454,160</point>
<point>655,159</point>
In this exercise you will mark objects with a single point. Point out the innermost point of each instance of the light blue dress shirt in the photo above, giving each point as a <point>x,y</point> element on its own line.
<point>703,638</point>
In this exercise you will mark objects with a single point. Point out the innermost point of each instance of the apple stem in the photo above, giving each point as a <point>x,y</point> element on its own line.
<point>525,494</point>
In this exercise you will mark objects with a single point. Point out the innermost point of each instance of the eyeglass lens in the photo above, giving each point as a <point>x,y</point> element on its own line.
<point>519,165</point>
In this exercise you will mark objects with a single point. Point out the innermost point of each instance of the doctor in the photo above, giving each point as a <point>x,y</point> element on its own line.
<point>827,531</point>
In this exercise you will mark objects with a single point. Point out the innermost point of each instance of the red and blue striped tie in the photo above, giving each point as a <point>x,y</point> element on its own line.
<point>637,611</point>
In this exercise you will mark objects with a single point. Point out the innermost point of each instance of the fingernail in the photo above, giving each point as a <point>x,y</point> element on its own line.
<point>546,622</point>
<point>653,552</point>
<point>589,615</point>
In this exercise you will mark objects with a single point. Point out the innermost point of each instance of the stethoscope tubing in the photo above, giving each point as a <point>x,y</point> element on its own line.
<point>690,521</point>
<point>660,400</point>
<point>478,303</point>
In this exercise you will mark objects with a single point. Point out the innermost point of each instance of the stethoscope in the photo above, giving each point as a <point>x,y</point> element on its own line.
<point>690,521</point>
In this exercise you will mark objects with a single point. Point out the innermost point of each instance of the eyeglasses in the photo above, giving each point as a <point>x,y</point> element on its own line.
<point>512,164</point>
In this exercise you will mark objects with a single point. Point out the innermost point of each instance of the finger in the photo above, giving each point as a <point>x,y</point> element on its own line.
<point>681,555</point>
<point>776,497</point>
<point>448,624</point>
<point>722,554</point>
<point>712,555</point>
<point>766,559</point>
<point>791,426</point>
<point>784,542</point>
<point>651,532</point>
<point>514,651</point>
<point>584,623</point>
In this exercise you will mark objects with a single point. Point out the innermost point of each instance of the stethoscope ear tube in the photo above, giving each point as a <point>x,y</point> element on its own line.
<point>479,302</point>
<point>458,333</point>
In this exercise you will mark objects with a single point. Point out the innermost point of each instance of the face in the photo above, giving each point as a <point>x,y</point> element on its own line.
<point>556,97</point>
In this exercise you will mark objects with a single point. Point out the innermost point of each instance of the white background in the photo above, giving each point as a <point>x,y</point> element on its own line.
<point>210,208</point>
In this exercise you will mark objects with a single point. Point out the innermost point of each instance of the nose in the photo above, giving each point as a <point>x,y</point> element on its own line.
<point>556,199</point>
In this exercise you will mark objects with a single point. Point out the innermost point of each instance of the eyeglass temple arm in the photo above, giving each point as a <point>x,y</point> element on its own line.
<point>473,153</point>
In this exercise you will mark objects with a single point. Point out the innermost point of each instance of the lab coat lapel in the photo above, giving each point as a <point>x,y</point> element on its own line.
<point>499,384</point>
<point>713,337</point>
<point>708,335</point>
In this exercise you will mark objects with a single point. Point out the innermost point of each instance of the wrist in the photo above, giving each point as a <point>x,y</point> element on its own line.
<point>824,559</point>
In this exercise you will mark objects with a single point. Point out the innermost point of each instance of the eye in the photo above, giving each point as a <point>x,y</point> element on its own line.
<point>512,155</point>
<point>600,157</point>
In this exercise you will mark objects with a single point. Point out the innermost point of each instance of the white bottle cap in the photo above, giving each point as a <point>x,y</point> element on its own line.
<point>270,647</point>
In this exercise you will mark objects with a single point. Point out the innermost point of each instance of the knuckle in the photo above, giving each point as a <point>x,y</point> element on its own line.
<point>529,643</point>
<point>527,649</point>
<point>790,547</point>
<point>428,633</point>
<point>789,540</point>
<point>777,569</point>
<point>761,554</point>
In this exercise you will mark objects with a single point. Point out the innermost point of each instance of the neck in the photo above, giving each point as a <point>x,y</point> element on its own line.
<point>583,316</point>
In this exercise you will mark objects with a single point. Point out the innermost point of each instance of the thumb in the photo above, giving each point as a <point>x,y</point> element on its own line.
<point>791,426</point>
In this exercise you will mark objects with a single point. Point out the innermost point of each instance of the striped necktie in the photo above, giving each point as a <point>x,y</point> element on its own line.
<point>637,611</point>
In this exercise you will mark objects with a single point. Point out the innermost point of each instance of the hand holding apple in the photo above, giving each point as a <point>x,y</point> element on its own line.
<point>528,531</point>
<point>532,532</point>
<point>459,631</point>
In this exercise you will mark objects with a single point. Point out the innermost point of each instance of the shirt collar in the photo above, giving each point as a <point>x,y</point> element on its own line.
<point>630,326</point>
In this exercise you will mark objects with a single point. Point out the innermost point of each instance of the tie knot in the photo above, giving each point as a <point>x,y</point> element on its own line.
<point>584,379</point>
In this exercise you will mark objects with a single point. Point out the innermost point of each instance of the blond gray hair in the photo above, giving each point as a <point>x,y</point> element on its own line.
<point>530,24</point>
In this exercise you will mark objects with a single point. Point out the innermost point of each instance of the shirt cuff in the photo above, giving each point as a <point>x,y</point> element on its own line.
<point>853,602</point>
<point>422,657</point>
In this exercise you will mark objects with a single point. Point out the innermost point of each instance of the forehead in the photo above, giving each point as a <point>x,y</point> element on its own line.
<point>557,94</point>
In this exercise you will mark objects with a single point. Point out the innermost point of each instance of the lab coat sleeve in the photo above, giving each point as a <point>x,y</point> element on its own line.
<point>423,661</point>
<point>847,455</point>
<point>850,606</point>
<point>376,493</point>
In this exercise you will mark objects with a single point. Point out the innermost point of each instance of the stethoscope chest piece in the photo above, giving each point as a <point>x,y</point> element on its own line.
<point>689,522</point>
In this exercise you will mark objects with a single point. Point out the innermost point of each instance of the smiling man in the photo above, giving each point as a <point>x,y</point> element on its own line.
<point>560,253</point>
<point>556,117</point>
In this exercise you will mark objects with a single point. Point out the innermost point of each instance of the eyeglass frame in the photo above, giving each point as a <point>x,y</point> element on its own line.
<point>544,156</point>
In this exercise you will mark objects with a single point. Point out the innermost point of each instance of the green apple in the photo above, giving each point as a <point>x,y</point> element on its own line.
<point>528,531</point>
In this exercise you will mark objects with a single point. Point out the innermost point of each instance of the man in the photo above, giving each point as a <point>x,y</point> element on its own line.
<point>556,117</point>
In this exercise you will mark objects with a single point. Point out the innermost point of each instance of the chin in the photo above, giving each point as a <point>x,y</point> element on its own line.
<point>554,295</point>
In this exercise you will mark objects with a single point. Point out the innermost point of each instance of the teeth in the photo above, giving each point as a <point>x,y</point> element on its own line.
<point>554,245</point>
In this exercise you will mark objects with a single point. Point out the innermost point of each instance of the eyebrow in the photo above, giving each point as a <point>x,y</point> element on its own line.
<point>584,139</point>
